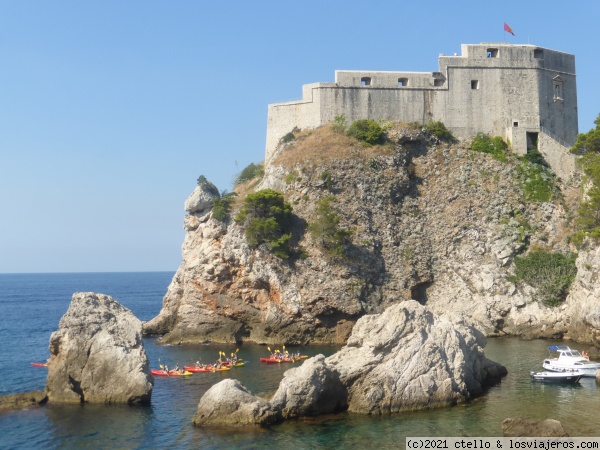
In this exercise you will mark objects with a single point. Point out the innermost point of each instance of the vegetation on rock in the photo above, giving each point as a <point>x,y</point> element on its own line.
<point>221,207</point>
<point>207,185</point>
<point>537,181</point>
<point>439,130</point>
<point>250,172</point>
<point>325,229</point>
<point>493,146</point>
<point>367,131</point>
<point>588,214</point>
<point>267,218</point>
<point>550,273</point>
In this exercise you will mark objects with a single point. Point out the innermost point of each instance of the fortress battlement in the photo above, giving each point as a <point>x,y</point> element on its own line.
<point>525,93</point>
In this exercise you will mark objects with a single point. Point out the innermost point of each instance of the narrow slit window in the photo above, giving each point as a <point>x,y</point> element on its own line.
<point>365,81</point>
<point>402,82</point>
<point>474,84</point>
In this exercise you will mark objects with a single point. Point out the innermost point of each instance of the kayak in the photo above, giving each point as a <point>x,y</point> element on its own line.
<point>195,369</point>
<point>39,364</point>
<point>275,361</point>
<point>170,373</point>
<point>237,364</point>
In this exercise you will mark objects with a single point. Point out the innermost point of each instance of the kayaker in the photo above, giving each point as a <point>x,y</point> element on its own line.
<point>198,364</point>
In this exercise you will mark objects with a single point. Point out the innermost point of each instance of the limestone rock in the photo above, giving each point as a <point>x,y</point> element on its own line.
<point>406,358</point>
<point>519,427</point>
<point>437,223</point>
<point>22,400</point>
<point>310,389</point>
<point>230,403</point>
<point>201,198</point>
<point>97,354</point>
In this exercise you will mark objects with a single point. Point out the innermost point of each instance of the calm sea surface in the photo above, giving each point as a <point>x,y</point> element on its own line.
<point>32,304</point>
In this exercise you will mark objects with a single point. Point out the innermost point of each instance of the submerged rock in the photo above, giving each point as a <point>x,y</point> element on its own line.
<point>532,428</point>
<point>22,400</point>
<point>97,354</point>
<point>230,403</point>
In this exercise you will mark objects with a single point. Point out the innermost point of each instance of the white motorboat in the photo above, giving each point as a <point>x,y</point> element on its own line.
<point>571,376</point>
<point>569,359</point>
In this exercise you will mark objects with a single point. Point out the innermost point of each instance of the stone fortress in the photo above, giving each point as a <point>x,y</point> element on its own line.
<point>524,93</point>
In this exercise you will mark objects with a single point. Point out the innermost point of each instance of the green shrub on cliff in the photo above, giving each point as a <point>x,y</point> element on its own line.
<point>222,206</point>
<point>550,273</point>
<point>588,214</point>
<point>325,229</point>
<point>493,146</point>
<point>367,131</point>
<point>267,218</point>
<point>439,130</point>
<point>537,182</point>
<point>588,142</point>
<point>250,172</point>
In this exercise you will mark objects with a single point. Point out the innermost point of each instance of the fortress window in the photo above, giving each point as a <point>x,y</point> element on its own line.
<point>474,84</point>
<point>539,54</point>
<point>365,81</point>
<point>558,88</point>
<point>402,82</point>
<point>515,124</point>
<point>438,82</point>
<point>492,52</point>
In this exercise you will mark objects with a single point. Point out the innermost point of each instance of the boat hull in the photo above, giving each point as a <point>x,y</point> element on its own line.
<point>589,372</point>
<point>557,377</point>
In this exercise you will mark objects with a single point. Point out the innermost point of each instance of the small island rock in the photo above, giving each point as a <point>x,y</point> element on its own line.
<point>532,428</point>
<point>230,403</point>
<point>406,358</point>
<point>97,354</point>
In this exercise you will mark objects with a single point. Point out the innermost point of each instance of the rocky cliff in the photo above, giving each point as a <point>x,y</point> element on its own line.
<point>431,221</point>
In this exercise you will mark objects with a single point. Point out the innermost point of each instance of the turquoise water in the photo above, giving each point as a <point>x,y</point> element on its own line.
<point>32,305</point>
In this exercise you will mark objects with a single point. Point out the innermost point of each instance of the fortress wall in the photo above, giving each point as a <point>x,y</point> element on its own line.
<point>284,117</point>
<point>558,157</point>
<point>371,103</point>
<point>392,80</point>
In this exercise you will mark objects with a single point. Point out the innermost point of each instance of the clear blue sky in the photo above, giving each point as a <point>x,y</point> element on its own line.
<point>110,110</point>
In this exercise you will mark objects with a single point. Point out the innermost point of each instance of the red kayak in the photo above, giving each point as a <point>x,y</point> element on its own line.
<point>39,364</point>
<point>195,369</point>
<point>170,373</point>
<point>276,361</point>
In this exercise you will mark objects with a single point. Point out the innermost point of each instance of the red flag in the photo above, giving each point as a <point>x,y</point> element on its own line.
<point>507,28</point>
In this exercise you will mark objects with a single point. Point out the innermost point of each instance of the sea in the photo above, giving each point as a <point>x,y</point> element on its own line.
<point>31,306</point>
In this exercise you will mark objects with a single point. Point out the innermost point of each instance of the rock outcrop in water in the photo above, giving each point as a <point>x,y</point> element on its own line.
<point>22,400</point>
<point>97,354</point>
<point>230,403</point>
<point>403,359</point>
<point>430,220</point>
<point>532,428</point>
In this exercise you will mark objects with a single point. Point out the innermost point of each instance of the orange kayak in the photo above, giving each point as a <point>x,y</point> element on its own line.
<point>170,373</point>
